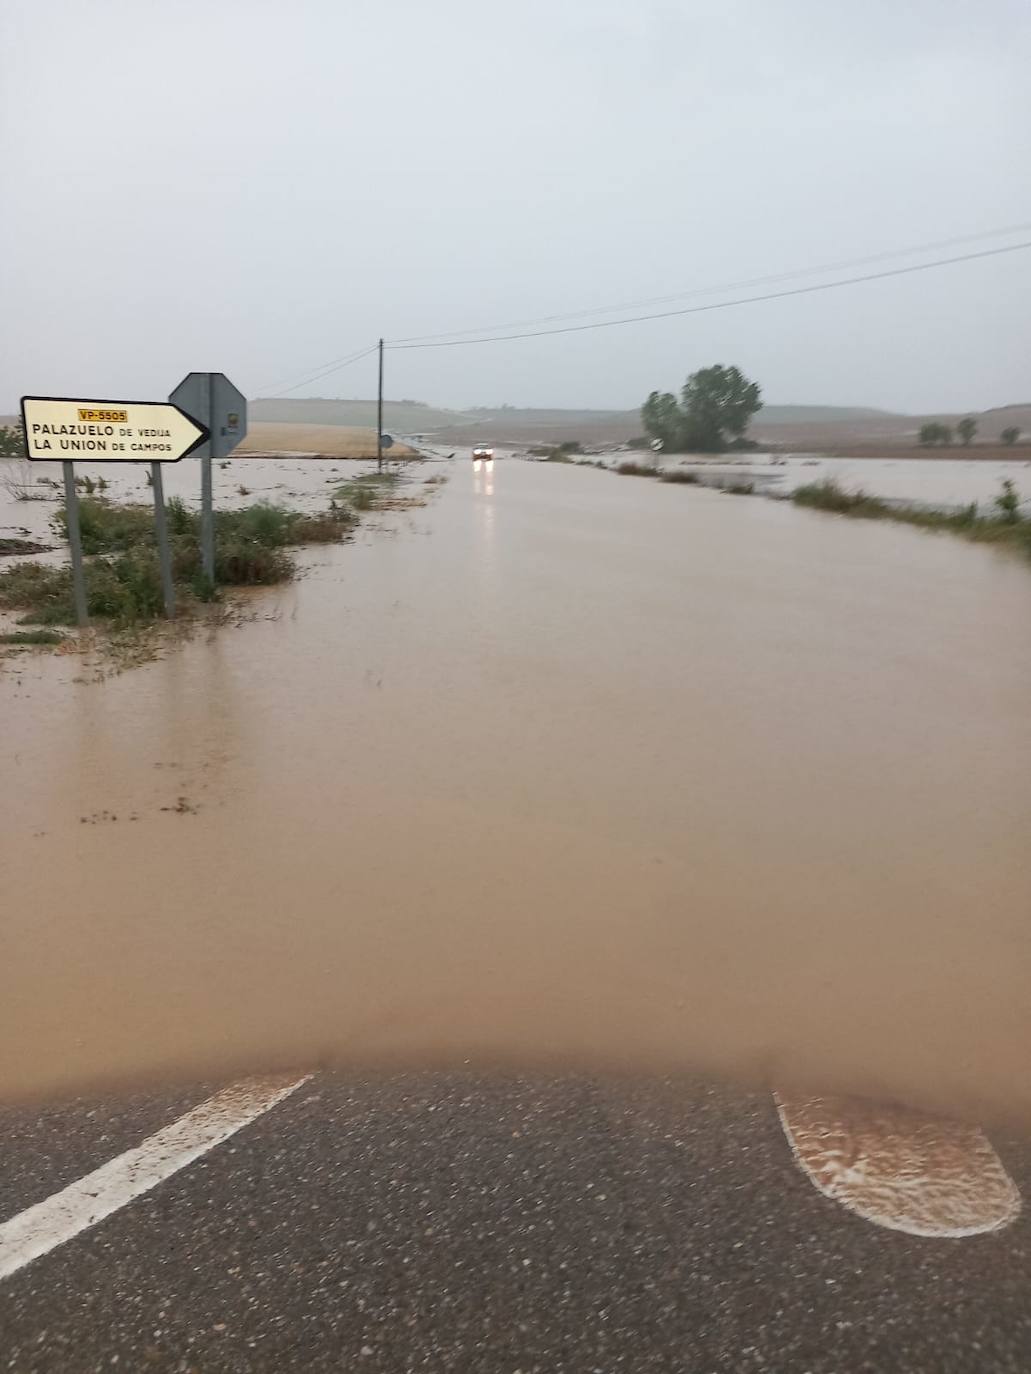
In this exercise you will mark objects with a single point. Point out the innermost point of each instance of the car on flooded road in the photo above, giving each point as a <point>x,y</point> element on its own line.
<point>482,453</point>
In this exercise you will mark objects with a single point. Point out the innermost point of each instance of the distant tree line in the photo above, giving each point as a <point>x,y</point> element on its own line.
<point>712,414</point>
<point>934,433</point>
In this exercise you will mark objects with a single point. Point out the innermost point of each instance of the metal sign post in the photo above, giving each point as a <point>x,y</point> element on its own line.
<point>71,508</point>
<point>214,402</point>
<point>161,529</point>
<point>207,495</point>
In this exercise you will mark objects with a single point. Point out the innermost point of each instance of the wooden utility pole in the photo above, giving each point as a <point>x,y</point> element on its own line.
<point>379,413</point>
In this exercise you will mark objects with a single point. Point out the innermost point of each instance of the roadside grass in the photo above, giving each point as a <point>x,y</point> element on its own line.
<point>1005,525</point>
<point>1002,523</point>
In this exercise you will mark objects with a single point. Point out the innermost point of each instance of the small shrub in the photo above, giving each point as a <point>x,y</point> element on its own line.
<point>631,469</point>
<point>328,528</point>
<point>1008,502</point>
<point>246,564</point>
<point>680,475</point>
<point>262,524</point>
<point>181,521</point>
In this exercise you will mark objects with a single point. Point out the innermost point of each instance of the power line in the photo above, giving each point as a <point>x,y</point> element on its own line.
<point>723,305</point>
<point>770,280</point>
<point>337,365</point>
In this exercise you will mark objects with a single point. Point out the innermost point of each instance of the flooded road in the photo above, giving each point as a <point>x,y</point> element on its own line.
<point>563,769</point>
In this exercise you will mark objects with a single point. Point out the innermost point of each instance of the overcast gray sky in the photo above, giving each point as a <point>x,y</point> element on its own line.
<point>259,186</point>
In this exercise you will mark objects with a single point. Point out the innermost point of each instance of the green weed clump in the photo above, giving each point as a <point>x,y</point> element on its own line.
<point>679,475</point>
<point>632,469</point>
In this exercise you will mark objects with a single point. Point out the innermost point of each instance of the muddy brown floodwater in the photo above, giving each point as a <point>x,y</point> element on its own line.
<point>563,769</point>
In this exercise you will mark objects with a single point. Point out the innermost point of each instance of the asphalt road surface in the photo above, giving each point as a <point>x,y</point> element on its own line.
<point>448,1222</point>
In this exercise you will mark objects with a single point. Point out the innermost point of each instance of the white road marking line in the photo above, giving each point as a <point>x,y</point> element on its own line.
<point>82,1204</point>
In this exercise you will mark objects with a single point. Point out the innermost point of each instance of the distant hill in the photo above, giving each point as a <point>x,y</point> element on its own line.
<point>417,416</point>
<point>822,415</point>
<point>406,417</point>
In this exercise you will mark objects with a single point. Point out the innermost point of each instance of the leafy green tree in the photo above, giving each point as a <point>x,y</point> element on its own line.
<point>966,429</point>
<point>716,402</point>
<point>661,418</point>
<point>12,441</point>
<point>1011,435</point>
<point>715,407</point>
<point>945,436</point>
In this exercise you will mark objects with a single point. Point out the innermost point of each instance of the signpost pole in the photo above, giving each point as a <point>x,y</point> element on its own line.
<point>164,552</point>
<point>216,405</point>
<point>71,507</point>
<point>379,413</point>
<point>207,514</point>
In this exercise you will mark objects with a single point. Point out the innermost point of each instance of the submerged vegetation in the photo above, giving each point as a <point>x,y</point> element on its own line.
<point>123,584</point>
<point>367,493</point>
<point>1002,524</point>
<point>31,637</point>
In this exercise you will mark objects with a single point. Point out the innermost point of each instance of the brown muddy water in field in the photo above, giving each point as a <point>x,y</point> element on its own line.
<point>563,769</point>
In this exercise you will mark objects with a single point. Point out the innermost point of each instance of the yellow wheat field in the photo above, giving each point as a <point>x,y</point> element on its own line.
<point>339,441</point>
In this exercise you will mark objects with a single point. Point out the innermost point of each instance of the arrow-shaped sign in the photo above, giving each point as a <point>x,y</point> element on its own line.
<point>58,429</point>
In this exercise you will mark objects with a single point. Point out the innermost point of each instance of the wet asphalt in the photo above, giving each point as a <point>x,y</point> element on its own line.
<point>520,1226</point>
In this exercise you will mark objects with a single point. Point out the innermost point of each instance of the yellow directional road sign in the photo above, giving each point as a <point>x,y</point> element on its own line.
<point>61,430</point>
